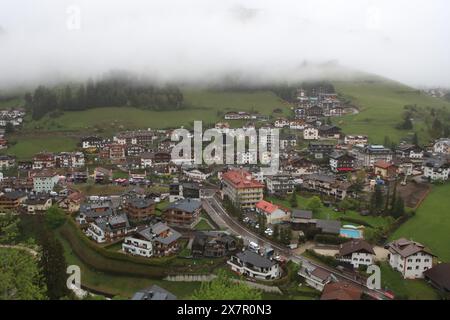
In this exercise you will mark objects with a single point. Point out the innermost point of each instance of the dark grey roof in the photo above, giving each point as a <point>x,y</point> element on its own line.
<point>356,245</point>
<point>255,259</point>
<point>152,233</point>
<point>440,275</point>
<point>302,214</point>
<point>141,203</point>
<point>321,177</point>
<point>187,205</point>
<point>14,195</point>
<point>153,293</point>
<point>329,226</point>
<point>108,223</point>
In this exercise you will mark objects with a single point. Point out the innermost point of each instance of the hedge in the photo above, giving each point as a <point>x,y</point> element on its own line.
<point>329,239</point>
<point>104,260</point>
<point>325,259</point>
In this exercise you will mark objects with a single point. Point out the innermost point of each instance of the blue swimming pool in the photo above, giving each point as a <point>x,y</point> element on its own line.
<point>351,233</point>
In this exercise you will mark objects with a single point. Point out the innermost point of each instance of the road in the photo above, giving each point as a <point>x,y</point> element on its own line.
<point>222,218</point>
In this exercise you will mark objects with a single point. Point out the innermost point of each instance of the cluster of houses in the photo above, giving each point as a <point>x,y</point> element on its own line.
<point>13,117</point>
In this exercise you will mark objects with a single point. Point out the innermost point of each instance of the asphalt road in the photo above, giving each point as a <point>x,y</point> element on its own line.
<point>219,214</point>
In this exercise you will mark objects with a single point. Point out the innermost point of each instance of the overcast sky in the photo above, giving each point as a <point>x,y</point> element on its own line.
<point>406,40</point>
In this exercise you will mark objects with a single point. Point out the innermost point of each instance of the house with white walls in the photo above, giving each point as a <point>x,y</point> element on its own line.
<point>410,258</point>
<point>356,252</point>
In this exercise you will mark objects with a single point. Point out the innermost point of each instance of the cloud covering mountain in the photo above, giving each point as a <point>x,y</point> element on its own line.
<point>199,40</point>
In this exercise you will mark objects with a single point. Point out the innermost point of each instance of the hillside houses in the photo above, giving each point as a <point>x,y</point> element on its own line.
<point>14,117</point>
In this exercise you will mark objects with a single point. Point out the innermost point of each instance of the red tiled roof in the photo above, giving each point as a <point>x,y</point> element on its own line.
<point>341,291</point>
<point>383,164</point>
<point>241,179</point>
<point>266,206</point>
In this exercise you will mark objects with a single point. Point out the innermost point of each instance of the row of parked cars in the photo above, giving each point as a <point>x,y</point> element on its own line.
<point>255,225</point>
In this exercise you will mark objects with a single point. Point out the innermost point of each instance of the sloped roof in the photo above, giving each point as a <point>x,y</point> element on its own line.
<point>341,291</point>
<point>255,259</point>
<point>186,205</point>
<point>266,206</point>
<point>356,245</point>
<point>406,248</point>
<point>241,179</point>
<point>440,275</point>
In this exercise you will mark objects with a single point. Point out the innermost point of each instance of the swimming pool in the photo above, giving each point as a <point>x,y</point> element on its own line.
<point>351,233</point>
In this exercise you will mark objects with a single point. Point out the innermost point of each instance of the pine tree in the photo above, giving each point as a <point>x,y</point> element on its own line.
<point>53,266</point>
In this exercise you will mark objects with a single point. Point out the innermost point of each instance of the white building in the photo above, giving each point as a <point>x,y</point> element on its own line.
<point>272,213</point>
<point>311,134</point>
<point>196,174</point>
<point>436,169</point>
<point>367,155</point>
<point>252,265</point>
<point>355,139</point>
<point>409,258</point>
<point>45,181</point>
<point>281,123</point>
<point>356,252</point>
<point>155,240</point>
<point>442,146</point>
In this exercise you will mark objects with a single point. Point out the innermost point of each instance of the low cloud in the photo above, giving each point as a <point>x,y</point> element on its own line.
<point>202,40</point>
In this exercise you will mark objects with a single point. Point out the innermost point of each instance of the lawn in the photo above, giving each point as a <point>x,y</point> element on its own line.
<point>431,224</point>
<point>381,104</point>
<point>27,146</point>
<point>406,289</point>
<point>203,225</point>
<point>91,189</point>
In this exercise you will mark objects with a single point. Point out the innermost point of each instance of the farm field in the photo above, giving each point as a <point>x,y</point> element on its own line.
<point>431,224</point>
<point>27,146</point>
<point>381,105</point>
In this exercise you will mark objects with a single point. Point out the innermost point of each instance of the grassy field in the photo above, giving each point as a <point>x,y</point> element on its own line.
<point>12,103</point>
<point>381,104</point>
<point>431,224</point>
<point>406,289</point>
<point>27,146</point>
<point>202,105</point>
<point>203,225</point>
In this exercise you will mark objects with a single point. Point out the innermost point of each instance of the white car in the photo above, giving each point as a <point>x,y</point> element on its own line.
<point>269,231</point>
<point>253,246</point>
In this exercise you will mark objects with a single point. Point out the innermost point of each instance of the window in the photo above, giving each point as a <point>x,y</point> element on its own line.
<point>409,268</point>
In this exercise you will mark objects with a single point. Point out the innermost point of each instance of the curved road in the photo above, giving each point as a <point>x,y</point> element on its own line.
<point>222,218</point>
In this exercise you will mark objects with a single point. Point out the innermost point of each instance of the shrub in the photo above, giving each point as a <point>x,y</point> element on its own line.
<point>329,239</point>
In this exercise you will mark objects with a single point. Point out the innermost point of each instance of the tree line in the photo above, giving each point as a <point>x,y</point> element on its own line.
<point>108,92</point>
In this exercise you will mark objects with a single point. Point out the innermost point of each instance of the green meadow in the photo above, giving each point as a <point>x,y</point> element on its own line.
<point>431,224</point>
<point>381,104</point>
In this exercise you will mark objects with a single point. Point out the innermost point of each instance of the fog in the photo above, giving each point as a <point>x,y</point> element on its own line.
<point>205,40</point>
